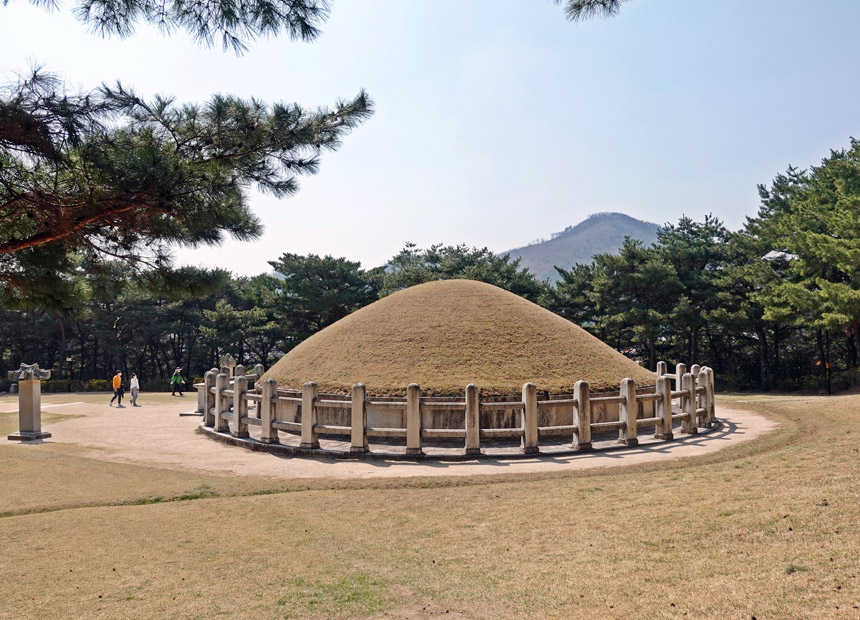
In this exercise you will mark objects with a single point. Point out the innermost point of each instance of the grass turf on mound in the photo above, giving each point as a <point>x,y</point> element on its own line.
<point>444,335</point>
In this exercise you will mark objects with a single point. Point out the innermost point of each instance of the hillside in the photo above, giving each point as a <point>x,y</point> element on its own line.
<point>598,234</point>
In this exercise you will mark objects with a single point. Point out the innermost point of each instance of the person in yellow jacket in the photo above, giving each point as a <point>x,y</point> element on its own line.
<point>117,389</point>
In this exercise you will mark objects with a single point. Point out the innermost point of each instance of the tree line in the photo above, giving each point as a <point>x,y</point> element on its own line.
<point>775,305</point>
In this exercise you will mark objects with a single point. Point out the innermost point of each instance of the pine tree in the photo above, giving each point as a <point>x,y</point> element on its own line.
<point>812,219</point>
<point>444,262</point>
<point>87,177</point>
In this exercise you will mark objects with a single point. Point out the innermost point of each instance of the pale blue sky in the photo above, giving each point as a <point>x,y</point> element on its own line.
<point>498,122</point>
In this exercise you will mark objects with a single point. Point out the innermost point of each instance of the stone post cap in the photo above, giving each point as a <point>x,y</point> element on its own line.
<point>29,372</point>
<point>229,361</point>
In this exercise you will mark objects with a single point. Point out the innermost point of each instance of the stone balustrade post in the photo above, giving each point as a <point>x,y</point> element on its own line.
<point>413,420</point>
<point>582,416</point>
<point>201,399</point>
<point>627,411</point>
<point>704,399</point>
<point>310,438</point>
<point>688,404</point>
<point>662,369</point>
<point>238,371</point>
<point>663,408</point>
<point>358,420</point>
<point>473,420</point>
<point>529,444</point>
<point>259,370</point>
<point>239,428</point>
<point>269,434</point>
<point>225,370</point>
<point>680,371</point>
<point>694,370</point>
<point>712,413</point>
<point>222,381</point>
<point>209,402</point>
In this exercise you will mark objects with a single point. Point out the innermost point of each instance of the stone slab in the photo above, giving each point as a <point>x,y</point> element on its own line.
<point>28,436</point>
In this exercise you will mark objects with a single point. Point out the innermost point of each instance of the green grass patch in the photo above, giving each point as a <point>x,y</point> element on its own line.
<point>354,595</point>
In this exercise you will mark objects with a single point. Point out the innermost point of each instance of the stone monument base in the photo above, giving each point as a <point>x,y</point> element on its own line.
<point>28,435</point>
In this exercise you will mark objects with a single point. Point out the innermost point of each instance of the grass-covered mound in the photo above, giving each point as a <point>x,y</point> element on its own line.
<point>444,335</point>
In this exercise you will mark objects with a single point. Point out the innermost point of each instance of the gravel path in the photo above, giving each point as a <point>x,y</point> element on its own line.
<point>155,434</point>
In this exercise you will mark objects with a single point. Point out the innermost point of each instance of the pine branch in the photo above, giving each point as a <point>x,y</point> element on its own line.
<point>584,10</point>
<point>234,22</point>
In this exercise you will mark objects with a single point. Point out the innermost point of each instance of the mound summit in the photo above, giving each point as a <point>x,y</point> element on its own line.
<point>446,334</point>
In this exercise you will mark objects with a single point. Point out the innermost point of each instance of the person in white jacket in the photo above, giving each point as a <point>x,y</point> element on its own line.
<point>135,388</point>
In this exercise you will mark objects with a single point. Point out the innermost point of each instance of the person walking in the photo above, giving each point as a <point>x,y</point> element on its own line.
<point>176,382</point>
<point>117,389</point>
<point>134,386</point>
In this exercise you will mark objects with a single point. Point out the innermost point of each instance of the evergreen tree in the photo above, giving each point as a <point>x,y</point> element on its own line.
<point>812,219</point>
<point>631,294</point>
<point>697,252</point>
<point>571,297</point>
<point>444,262</point>
<point>110,175</point>
<point>93,176</point>
<point>312,292</point>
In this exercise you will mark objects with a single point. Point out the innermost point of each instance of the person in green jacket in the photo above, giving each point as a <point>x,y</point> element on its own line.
<point>176,382</point>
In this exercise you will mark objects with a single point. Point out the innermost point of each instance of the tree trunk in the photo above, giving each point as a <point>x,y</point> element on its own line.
<point>855,327</point>
<point>716,355</point>
<point>822,357</point>
<point>777,360</point>
<point>764,370</point>
<point>61,370</point>
<point>694,345</point>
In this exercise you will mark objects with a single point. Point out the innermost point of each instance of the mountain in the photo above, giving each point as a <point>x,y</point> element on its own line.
<point>600,233</point>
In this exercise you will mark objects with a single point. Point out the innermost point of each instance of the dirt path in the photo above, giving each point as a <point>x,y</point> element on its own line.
<point>155,434</point>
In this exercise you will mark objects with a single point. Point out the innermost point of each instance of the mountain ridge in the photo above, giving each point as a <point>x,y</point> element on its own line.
<point>599,233</point>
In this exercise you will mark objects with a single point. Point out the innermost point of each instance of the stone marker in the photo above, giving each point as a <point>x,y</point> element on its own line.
<point>413,419</point>
<point>228,363</point>
<point>29,380</point>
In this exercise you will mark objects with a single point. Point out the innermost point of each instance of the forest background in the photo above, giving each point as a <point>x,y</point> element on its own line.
<point>775,305</point>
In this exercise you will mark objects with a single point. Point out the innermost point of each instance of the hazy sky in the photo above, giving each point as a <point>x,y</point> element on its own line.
<point>498,122</point>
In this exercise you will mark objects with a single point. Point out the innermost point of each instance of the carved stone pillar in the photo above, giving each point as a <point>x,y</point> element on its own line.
<point>29,378</point>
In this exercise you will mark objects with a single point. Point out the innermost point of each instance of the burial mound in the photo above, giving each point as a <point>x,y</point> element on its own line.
<point>446,334</point>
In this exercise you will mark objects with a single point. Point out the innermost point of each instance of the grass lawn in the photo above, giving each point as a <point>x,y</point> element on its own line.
<point>766,529</point>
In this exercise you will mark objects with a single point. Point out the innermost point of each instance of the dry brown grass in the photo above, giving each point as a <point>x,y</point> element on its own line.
<point>767,529</point>
<point>57,475</point>
<point>444,335</point>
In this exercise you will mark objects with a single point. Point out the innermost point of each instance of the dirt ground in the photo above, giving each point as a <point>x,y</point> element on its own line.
<point>156,434</point>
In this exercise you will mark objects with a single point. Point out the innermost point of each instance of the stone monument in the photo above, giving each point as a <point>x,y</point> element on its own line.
<point>228,363</point>
<point>29,378</point>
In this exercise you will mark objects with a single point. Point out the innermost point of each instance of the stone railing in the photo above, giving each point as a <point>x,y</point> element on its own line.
<point>232,371</point>
<point>686,398</point>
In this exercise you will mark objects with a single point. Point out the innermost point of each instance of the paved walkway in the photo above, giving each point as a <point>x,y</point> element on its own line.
<point>155,434</point>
